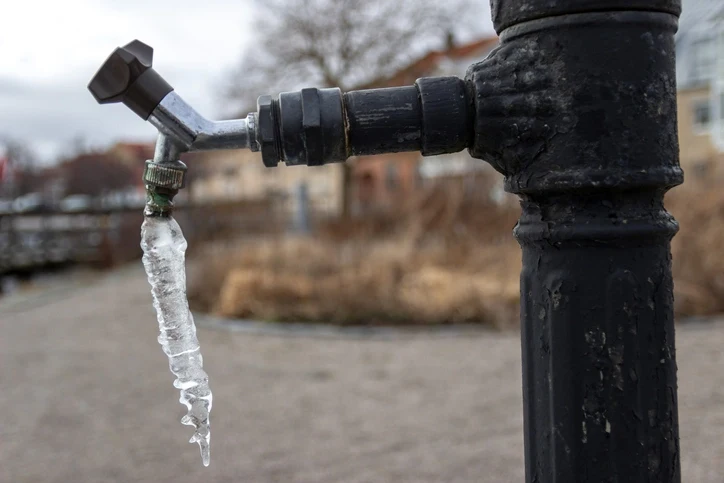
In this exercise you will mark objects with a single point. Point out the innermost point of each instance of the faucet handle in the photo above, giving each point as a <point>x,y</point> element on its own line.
<point>127,76</point>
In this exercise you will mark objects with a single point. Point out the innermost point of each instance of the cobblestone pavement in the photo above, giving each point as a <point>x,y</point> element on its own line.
<point>86,396</point>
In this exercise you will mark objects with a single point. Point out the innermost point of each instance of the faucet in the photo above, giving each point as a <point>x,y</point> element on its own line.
<point>308,127</point>
<point>128,76</point>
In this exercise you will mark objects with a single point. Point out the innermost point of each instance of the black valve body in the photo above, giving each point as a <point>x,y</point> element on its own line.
<point>319,126</point>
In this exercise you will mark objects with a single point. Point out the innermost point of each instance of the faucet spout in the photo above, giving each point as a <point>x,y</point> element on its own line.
<point>168,149</point>
<point>176,118</point>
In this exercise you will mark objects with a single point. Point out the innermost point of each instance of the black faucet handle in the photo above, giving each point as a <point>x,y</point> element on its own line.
<point>127,76</point>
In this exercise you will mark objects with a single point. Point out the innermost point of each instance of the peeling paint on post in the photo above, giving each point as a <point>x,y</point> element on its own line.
<point>577,109</point>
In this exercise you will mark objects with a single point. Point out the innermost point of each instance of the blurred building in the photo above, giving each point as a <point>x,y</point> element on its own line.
<point>241,175</point>
<point>700,80</point>
<point>132,157</point>
<point>6,177</point>
<point>383,181</point>
<point>97,175</point>
<point>132,154</point>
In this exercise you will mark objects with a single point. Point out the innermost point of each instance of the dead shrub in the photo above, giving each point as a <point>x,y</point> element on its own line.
<point>698,258</point>
<point>444,258</point>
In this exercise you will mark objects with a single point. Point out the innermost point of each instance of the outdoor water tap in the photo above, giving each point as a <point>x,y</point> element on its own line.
<point>308,127</point>
<point>128,76</point>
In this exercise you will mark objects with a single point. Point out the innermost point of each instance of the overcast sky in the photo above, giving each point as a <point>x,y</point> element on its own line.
<point>49,50</point>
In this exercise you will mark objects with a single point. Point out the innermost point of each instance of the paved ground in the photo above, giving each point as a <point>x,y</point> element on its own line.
<point>86,396</point>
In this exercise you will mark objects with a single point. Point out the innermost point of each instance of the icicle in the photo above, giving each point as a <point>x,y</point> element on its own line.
<point>164,248</point>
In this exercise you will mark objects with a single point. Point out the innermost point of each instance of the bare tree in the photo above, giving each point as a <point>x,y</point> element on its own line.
<point>343,43</point>
<point>23,162</point>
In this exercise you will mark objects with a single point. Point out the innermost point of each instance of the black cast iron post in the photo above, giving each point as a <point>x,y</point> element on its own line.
<point>577,108</point>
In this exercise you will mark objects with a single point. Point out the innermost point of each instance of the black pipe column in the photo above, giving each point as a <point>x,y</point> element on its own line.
<point>577,108</point>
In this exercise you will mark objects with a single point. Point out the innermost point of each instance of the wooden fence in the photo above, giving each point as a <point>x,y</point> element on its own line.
<point>106,237</point>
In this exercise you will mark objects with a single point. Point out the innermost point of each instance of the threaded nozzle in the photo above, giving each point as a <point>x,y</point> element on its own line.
<point>163,181</point>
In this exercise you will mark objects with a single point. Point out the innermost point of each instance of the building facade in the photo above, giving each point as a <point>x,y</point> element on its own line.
<point>700,81</point>
<point>384,181</point>
<point>241,175</point>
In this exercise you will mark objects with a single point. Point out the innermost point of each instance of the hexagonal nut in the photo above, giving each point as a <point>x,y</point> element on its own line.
<point>266,130</point>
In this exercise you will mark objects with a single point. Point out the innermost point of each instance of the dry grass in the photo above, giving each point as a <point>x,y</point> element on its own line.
<point>377,282</point>
<point>444,258</point>
<point>698,256</point>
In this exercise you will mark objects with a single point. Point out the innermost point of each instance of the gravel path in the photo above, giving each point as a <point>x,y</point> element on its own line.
<point>86,396</point>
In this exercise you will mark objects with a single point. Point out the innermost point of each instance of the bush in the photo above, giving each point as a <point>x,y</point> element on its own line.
<point>445,258</point>
<point>698,258</point>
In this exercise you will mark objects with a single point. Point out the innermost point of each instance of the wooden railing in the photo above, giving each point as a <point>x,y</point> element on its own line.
<point>106,237</point>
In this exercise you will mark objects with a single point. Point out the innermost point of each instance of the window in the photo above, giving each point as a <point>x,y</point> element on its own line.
<point>703,59</point>
<point>702,114</point>
<point>718,131</point>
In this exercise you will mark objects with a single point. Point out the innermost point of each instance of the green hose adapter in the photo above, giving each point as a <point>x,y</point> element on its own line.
<point>163,181</point>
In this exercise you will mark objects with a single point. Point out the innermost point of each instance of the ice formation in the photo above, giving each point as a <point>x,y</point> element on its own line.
<point>164,248</point>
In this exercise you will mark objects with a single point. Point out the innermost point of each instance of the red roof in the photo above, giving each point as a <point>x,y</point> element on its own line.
<point>426,65</point>
<point>138,150</point>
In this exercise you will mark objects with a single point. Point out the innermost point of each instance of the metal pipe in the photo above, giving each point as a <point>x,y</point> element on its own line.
<point>384,120</point>
<point>319,126</point>
<point>577,108</point>
<point>168,149</point>
<point>308,127</point>
<point>176,118</point>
